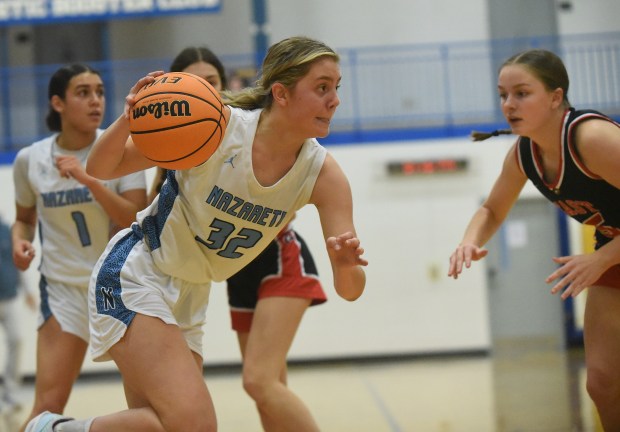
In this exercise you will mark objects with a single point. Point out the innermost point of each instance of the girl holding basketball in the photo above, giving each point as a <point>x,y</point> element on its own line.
<point>572,157</point>
<point>267,298</point>
<point>76,215</point>
<point>150,289</point>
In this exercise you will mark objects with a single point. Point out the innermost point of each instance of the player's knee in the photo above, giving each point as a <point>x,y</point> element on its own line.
<point>603,385</point>
<point>252,387</point>
<point>255,384</point>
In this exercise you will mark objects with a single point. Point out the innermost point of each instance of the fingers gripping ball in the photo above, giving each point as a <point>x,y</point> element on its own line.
<point>177,120</point>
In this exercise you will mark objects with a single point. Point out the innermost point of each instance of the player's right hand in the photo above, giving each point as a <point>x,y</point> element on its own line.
<point>23,254</point>
<point>130,99</point>
<point>464,254</point>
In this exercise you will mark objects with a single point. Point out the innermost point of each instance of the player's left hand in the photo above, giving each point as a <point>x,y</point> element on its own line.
<point>345,249</point>
<point>575,274</point>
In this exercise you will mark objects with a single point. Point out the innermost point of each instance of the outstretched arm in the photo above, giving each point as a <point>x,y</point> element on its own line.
<point>332,197</point>
<point>489,217</point>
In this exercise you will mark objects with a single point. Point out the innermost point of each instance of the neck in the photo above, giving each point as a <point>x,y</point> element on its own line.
<point>547,137</point>
<point>73,140</point>
<point>280,138</point>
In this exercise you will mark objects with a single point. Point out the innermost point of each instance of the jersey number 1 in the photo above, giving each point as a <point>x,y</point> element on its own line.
<point>80,223</point>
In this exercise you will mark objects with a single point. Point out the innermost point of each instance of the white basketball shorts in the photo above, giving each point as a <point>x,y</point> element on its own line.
<point>67,303</point>
<point>126,282</point>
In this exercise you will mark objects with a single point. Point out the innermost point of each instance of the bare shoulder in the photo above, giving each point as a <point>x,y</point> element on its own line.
<point>331,171</point>
<point>331,181</point>
<point>597,145</point>
<point>596,137</point>
<point>596,131</point>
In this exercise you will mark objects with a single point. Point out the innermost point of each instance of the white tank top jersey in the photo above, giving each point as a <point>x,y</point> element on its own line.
<point>73,228</point>
<point>209,221</point>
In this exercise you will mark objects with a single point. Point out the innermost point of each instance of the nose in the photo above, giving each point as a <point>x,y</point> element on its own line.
<point>508,102</point>
<point>97,98</point>
<point>335,101</point>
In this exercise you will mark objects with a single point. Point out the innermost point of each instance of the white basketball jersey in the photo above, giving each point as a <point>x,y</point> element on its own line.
<point>208,222</point>
<point>73,228</point>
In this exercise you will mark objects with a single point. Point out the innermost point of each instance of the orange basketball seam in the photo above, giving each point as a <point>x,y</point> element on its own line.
<point>144,132</point>
<point>187,155</point>
<point>218,109</point>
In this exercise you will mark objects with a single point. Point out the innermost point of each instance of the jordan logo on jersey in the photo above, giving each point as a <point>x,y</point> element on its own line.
<point>108,298</point>
<point>230,160</point>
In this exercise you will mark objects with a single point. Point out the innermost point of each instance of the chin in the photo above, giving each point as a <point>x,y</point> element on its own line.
<point>322,133</point>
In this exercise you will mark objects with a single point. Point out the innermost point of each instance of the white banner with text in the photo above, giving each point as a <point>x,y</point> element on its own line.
<point>13,12</point>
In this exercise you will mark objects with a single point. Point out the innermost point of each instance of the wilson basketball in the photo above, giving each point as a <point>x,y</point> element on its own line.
<point>177,120</point>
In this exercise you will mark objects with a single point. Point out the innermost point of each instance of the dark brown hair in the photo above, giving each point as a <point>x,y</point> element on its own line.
<point>59,82</point>
<point>191,55</point>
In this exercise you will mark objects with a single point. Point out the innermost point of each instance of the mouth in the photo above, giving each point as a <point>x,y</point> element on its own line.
<point>323,124</point>
<point>513,121</point>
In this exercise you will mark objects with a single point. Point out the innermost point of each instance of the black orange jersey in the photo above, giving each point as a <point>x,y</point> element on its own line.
<point>580,193</point>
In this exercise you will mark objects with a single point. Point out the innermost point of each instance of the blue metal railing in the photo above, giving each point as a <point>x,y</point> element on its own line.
<point>388,92</point>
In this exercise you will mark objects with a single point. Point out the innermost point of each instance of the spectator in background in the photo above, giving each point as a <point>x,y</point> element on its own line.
<point>238,81</point>
<point>10,285</point>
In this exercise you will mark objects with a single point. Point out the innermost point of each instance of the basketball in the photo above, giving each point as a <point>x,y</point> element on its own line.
<point>177,121</point>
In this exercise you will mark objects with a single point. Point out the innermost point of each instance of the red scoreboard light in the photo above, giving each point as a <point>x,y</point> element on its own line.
<point>430,166</point>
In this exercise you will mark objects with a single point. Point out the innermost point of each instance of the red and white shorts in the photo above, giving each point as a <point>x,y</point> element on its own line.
<point>284,269</point>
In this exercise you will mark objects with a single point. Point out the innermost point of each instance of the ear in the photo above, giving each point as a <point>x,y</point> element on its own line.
<point>557,97</point>
<point>280,93</point>
<point>57,103</point>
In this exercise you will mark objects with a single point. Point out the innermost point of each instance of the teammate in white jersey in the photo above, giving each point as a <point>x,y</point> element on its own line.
<point>149,291</point>
<point>76,214</point>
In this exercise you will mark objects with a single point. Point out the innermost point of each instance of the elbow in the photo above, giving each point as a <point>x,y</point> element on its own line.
<point>350,293</point>
<point>352,298</point>
<point>91,168</point>
<point>350,285</point>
